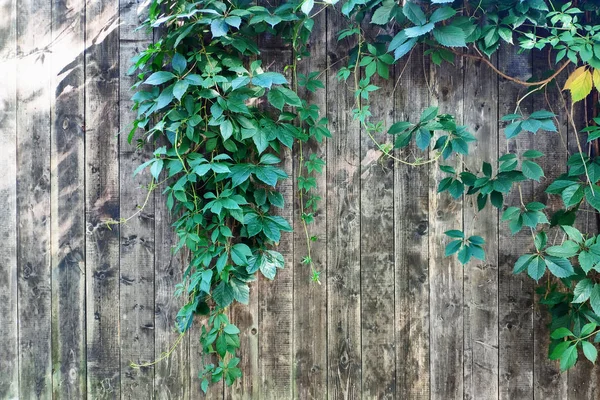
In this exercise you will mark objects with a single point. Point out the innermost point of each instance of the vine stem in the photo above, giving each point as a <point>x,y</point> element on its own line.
<point>163,355</point>
<point>490,64</point>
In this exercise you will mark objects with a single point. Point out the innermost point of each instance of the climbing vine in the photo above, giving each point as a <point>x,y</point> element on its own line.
<point>221,122</point>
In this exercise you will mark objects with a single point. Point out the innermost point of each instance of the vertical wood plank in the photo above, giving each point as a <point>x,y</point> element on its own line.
<point>515,292</point>
<point>9,356</point>
<point>275,308</point>
<point>33,198</point>
<point>68,182</point>
<point>481,277</point>
<point>411,227</point>
<point>172,375</point>
<point>549,382</point>
<point>102,199</point>
<point>137,233</point>
<point>343,226</point>
<point>445,273</point>
<point>310,298</point>
<point>377,253</point>
<point>584,377</point>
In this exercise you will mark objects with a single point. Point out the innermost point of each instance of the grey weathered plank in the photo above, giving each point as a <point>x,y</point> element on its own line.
<point>172,375</point>
<point>137,233</point>
<point>33,198</point>
<point>548,381</point>
<point>275,307</point>
<point>377,253</point>
<point>68,180</point>
<point>411,227</point>
<point>481,277</point>
<point>310,298</point>
<point>343,227</point>
<point>102,199</point>
<point>445,273</point>
<point>515,292</point>
<point>9,355</point>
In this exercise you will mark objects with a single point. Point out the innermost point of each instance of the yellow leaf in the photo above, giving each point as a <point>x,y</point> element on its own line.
<point>579,83</point>
<point>576,74</point>
<point>597,79</point>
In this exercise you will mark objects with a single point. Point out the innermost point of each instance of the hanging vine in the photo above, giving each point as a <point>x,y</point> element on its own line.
<point>220,122</point>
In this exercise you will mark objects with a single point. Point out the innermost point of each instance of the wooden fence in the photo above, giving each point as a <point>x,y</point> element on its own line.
<point>393,318</point>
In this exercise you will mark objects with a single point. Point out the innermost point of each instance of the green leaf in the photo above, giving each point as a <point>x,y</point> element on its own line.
<point>267,79</point>
<point>276,99</point>
<point>522,263</point>
<point>450,36</point>
<point>423,138</point>
<point>159,77</point>
<point>442,13</point>
<point>240,253</point>
<point>454,233</point>
<point>572,195</point>
<point>512,129</point>
<point>536,268</point>
<point>226,128</point>
<point>218,27</point>
<point>567,249</point>
<point>464,255</point>
<point>420,30</point>
<point>532,170</point>
<point>568,358</point>
<point>595,299</point>
<point>558,351</point>
<point>561,333</point>
<point>231,329</point>
<point>453,247</point>
<point>414,13</point>
<point>223,294</point>
<point>533,154</point>
<point>427,115</point>
<point>404,48</point>
<point>204,385</point>
<point>382,15</point>
<point>559,267</point>
<point>590,351</point>
<point>592,196</point>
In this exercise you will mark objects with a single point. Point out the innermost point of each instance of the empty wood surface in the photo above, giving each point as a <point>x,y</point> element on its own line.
<point>392,317</point>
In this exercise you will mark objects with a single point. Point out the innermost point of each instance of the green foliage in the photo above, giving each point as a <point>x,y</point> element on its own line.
<point>198,93</point>
<point>219,121</point>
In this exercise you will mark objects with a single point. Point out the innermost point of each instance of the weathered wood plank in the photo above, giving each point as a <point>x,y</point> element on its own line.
<point>377,253</point>
<point>9,349</point>
<point>137,233</point>
<point>343,227</point>
<point>481,277</point>
<point>411,227</point>
<point>172,375</point>
<point>33,198</point>
<point>515,292</point>
<point>102,199</point>
<point>68,215</point>
<point>445,273</point>
<point>310,298</point>
<point>583,379</point>
<point>549,383</point>
<point>275,307</point>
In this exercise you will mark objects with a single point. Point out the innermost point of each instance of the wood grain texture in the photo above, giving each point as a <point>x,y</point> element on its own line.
<point>68,214</point>
<point>310,298</point>
<point>481,277</point>
<point>377,254</point>
<point>584,378</point>
<point>411,227</point>
<point>9,331</point>
<point>33,198</point>
<point>102,199</point>
<point>445,273</point>
<point>275,307</point>
<point>343,228</point>
<point>515,292</point>
<point>137,233</point>
<point>549,382</point>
